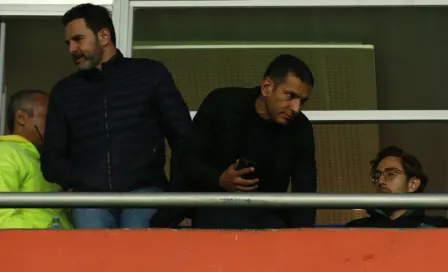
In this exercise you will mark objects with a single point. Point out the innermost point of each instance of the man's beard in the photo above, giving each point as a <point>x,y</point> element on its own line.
<point>383,190</point>
<point>90,60</point>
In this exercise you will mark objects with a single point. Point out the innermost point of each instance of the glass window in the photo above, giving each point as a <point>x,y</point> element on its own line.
<point>394,59</point>
<point>403,72</point>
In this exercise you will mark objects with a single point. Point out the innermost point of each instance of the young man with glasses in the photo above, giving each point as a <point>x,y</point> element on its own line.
<point>395,171</point>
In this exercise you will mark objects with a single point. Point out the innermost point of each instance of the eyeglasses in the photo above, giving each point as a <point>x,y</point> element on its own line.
<point>388,173</point>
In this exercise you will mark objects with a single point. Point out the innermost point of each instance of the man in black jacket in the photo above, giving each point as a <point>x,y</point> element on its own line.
<point>107,123</point>
<point>395,171</point>
<point>263,125</point>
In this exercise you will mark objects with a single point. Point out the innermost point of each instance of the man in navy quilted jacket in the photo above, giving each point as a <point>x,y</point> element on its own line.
<point>107,122</point>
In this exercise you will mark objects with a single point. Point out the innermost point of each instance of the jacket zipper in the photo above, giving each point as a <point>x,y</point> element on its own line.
<point>106,124</point>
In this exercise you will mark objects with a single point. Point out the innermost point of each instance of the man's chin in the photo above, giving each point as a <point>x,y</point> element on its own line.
<point>383,191</point>
<point>283,121</point>
<point>83,67</point>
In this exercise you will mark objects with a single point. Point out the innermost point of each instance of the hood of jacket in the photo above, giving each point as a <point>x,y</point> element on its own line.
<point>21,141</point>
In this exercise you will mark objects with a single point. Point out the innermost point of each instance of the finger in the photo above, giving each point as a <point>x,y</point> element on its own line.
<point>234,165</point>
<point>244,171</point>
<point>245,188</point>
<point>245,182</point>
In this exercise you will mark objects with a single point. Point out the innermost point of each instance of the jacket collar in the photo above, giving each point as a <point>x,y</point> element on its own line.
<point>117,58</point>
<point>95,73</point>
<point>408,213</point>
<point>243,111</point>
<point>24,143</point>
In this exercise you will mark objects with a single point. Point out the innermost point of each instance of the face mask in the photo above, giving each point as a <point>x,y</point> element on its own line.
<point>40,134</point>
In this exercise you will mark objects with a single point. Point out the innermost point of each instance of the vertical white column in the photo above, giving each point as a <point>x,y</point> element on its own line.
<point>122,17</point>
<point>2,78</point>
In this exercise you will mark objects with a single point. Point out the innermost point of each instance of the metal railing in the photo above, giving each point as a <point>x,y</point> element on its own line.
<point>141,200</point>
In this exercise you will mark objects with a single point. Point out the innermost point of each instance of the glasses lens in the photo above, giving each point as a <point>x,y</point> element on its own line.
<point>390,174</point>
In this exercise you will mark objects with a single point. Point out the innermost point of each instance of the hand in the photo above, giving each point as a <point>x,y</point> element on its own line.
<point>231,179</point>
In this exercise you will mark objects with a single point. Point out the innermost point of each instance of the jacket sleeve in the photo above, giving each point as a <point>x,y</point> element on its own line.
<point>304,179</point>
<point>174,117</point>
<point>199,172</point>
<point>54,155</point>
<point>11,179</point>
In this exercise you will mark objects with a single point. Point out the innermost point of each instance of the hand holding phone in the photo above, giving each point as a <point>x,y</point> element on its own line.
<point>245,163</point>
<point>239,177</point>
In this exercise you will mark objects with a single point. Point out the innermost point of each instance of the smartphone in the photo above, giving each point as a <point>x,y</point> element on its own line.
<point>245,163</point>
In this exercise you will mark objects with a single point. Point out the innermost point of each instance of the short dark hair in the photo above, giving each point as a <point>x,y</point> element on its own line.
<point>283,65</point>
<point>411,165</point>
<point>95,16</point>
<point>21,100</point>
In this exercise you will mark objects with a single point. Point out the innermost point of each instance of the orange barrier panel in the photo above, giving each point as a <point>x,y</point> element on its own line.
<point>224,251</point>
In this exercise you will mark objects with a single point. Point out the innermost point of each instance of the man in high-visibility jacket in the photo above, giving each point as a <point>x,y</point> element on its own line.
<point>20,163</point>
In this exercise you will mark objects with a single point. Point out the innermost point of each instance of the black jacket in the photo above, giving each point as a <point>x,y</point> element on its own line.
<point>410,219</point>
<point>213,145</point>
<point>105,130</point>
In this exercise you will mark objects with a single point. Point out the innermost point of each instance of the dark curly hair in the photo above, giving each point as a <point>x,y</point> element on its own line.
<point>411,165</point>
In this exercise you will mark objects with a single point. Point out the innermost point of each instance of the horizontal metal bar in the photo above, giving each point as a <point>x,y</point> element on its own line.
<point>372,116</point>
<point>283,3</point>
<point>250,46</point>
<point>279,200</point>
<point>37,9</point>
